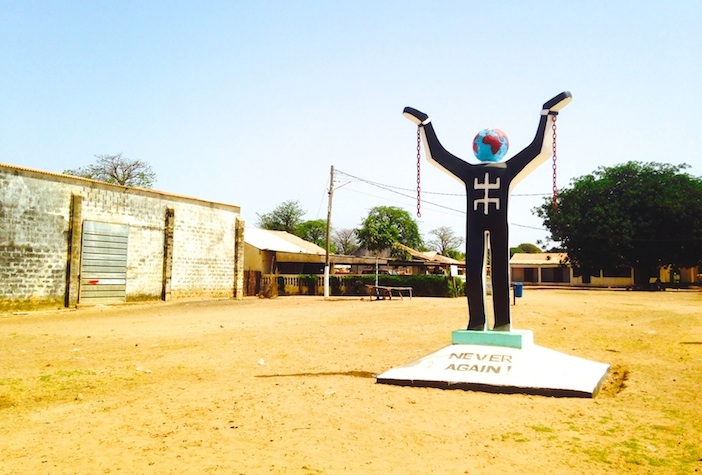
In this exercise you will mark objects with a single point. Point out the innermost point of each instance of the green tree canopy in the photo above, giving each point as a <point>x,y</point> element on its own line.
<point>386,225</point>
<point>313,231</point>
<point>641,215</point>
<point>525,248</point>
<point>118,170</point>
<point>285,217</point>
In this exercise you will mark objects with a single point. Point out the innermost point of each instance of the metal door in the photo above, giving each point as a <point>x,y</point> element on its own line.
<point>103,267</point>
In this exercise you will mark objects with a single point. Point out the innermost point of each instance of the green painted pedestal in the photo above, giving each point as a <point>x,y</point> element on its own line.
<point>511,339</point>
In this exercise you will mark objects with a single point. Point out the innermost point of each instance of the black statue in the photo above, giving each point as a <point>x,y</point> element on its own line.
<point>488,187</point>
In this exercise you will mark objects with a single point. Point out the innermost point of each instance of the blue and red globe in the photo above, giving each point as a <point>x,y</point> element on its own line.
<point>490,145</point>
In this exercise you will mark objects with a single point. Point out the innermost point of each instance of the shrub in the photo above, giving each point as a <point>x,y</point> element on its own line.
<point>308,284</point>
<point>335,284</point>
<point>422,285</point>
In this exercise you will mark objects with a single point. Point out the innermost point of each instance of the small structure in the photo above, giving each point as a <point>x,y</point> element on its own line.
<point>279,254</point>
<point>682,276</point>
<point>418,262</point>
<point>551,268</point>
<point>539,268</point>
<point>428,262</point>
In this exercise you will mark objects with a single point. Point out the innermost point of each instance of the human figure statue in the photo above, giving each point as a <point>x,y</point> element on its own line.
<point>488,187</point>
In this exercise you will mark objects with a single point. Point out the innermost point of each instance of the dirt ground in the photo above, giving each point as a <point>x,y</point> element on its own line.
<point>287,386</point>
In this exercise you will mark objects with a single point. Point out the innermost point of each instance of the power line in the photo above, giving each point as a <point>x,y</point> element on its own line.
<point>452,213</point>
<point>384,186</point>
<point>527,227</point>
<point>391,187</point>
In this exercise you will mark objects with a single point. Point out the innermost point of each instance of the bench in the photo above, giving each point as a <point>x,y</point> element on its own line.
<point>382,292</point>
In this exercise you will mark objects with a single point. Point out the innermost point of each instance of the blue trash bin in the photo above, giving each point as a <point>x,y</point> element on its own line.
<point>518,289</point>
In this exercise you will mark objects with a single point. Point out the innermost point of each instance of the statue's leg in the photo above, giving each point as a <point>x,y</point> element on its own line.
<point>500,280</point>
<point>475,286</point>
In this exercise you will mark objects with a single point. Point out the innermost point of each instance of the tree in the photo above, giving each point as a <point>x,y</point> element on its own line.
<point>526,248</point>
<point>386,225</point>
<point>345,241</point>
<point>641,215</point>
<point>313,231</point>
<point>119,170</point>
<point>286,217</point>
<point>445,241</point>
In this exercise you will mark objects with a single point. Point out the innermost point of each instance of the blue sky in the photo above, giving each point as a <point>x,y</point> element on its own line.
<point>250,103</point>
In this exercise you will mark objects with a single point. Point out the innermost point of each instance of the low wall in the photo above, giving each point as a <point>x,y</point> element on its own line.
<point>272,285</point>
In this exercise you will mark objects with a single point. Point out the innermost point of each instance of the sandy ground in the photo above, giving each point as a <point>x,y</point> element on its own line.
<point>287,386</point>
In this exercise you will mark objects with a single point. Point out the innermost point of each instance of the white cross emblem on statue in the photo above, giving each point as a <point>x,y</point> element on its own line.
<point>486,186</point>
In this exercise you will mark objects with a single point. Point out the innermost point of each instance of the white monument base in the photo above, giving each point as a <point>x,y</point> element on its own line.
<point>492,367</point>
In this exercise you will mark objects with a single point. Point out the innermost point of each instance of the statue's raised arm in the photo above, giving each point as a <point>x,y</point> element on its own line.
<point>437,155</point>
<point>539,150</point>
<point>555,104</point>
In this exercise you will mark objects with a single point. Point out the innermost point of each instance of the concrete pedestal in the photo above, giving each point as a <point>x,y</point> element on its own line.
<point>501,362</point>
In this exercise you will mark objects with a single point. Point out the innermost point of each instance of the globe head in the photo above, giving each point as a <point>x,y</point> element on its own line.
<point>490,145</point>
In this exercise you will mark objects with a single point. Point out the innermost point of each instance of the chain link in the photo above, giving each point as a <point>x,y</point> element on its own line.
<point>419,162</point>
<point>553,167</point>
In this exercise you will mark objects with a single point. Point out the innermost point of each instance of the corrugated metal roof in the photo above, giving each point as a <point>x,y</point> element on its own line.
<point>280,241</point>
<point>432,256</point>
<point>539,259</point>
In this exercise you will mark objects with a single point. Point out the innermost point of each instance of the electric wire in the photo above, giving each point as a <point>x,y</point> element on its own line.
<point>393,189</point>
<point>453,212</point>
<point>385,186</point>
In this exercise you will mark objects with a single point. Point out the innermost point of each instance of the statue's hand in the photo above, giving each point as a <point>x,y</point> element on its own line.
<point>557,103</point>
<point>417,117</point>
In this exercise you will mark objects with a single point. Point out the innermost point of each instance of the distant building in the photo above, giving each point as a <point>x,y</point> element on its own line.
<point>284,255</point>
<point>66,240</point>
<point>551,268</point>
<point>539,268</point>
<point>427,262</point>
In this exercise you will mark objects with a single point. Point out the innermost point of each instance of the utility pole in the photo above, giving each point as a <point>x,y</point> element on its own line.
<point>329,210</point>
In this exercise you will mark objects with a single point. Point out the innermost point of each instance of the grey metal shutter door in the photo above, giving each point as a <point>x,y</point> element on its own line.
<point>103,268</point>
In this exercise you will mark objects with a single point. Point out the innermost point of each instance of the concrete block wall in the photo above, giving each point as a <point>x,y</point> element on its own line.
<point>145,216</point>
<point>203,252</point>
<point>35,214</point>
<point>33,242</point>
